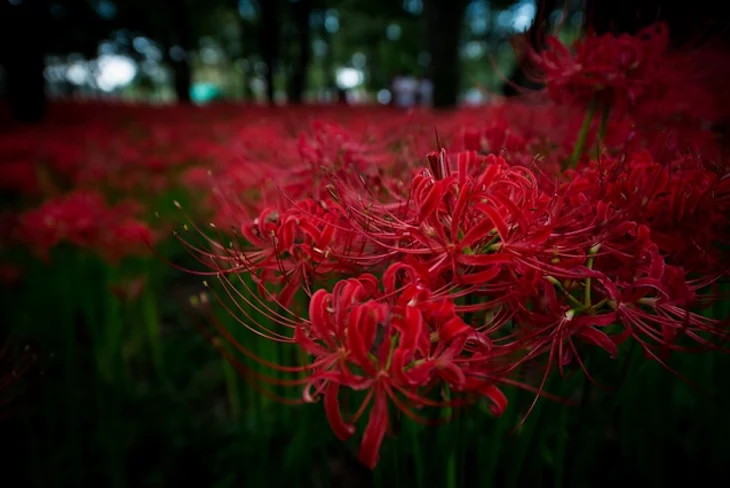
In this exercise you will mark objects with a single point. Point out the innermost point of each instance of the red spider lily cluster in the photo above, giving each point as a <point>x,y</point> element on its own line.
<point>423,268</point>
<point>432,281</point>
<point>621,71</point>
<point>600,259</point>
<point>84,220</point>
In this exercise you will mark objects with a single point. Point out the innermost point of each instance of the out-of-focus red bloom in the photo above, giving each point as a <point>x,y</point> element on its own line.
<point>74,218</point>
<point>129,289</point>
<point>696,88</point>
<point>125,237</point>
<point>83,219</point>
<point>19,177</point>
<point>618,71</point>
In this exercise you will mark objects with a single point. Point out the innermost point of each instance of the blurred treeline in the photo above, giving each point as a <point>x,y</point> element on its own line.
<point>288,50</point>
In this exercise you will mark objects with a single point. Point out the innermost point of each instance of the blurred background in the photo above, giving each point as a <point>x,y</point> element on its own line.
<point>292,51</point>
<point>162,51</point>
<point>124,391</point>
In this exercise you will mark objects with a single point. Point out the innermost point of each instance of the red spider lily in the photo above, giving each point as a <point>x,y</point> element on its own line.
<point>84,220</point>
<point>291,248</point>
<point>618,71</point>
<point>684,206</point>
<point>554,326</point>
<point>461,274</point>
<point>395,344</point>
<point>467,227</point>
<point>696,91</point>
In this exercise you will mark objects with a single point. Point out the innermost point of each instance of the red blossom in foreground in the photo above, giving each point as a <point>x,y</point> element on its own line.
<point>468,273</point>
<point>409,279</point>
<point>685,206</point>
<point>396,344</point>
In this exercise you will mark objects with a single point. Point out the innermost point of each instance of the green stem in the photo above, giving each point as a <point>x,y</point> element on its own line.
<point>267,349</point>
<point>451,481</point>
<point>580,431</point>
<point>72,373</point>
<point>605,115</point>
<point>592,253</point>
<point>377,478</point>
<point>492,445</point>
<point>565,292</point>
<point>283,411</point>
<point>522,450</point>
<point>113,337</point>
<point>152,323</point>
<point>559,470</point>
<point>462,442</point>
<point>583,134</point>
<point>416,453</point>
<point>232,390</point>
<point>396,480</point>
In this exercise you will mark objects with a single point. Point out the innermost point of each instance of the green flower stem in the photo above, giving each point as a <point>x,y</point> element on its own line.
<point>605,116</point>
<point>451,481</point>
<point>565,292</point>
<point>592,253</point>
<point>378,481</point>
<point>559,464</point>
<point>491,445</point>
<point>526,444</point>
<point>416,453</point>
<point>152,325</point>
<point>583,134</point>
<point>232,390</point>
<point>71,367</point>
<point>580,431</point>
<point>113,338</point>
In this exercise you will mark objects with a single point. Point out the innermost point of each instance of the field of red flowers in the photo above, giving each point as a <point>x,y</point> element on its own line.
<point>246,296</point>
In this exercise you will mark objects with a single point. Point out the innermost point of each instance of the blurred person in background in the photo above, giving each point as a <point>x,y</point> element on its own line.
<point>425,90</point>
<point>405,90</point>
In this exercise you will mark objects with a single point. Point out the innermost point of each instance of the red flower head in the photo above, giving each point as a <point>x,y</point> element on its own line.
<point>82,218</point>
<point>620,71</point>
<point>396,344</point>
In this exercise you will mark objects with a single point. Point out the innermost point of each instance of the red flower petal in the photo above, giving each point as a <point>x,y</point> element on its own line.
<point>374,433</point>
<point>332,408</point>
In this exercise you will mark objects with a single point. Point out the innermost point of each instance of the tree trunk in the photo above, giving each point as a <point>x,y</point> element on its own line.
<point>627,16</point>
<point>535,40</point>
<point>300,66</point>
<point>183,80</point>
<point>24,44</point>
<point>183,38</point>
<point>444,20</point>
<point>328,66</point>
<point>248,93</point>
<point>620,16</point>
<point>269,33</point>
